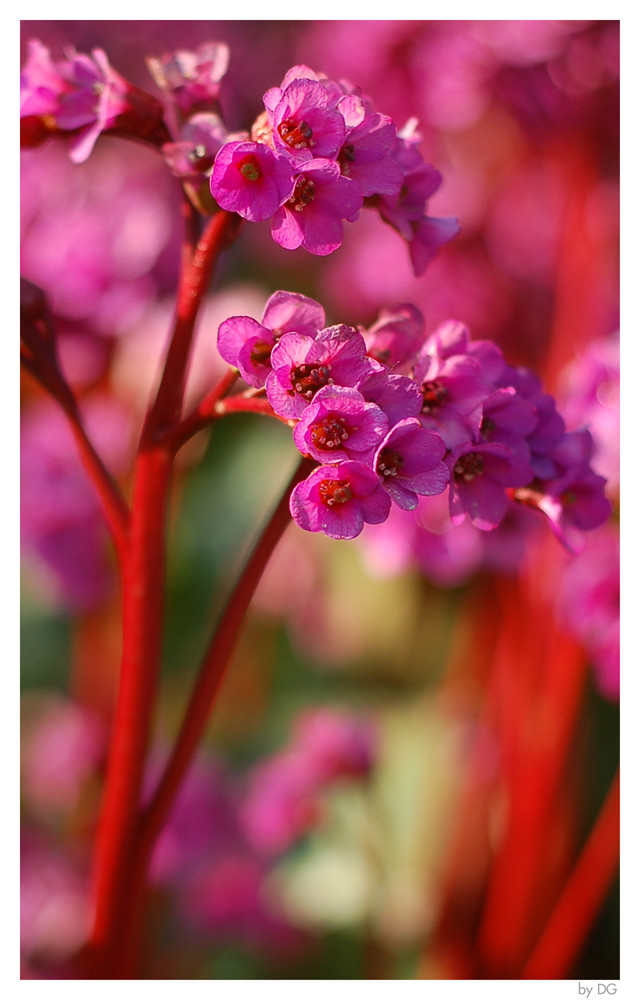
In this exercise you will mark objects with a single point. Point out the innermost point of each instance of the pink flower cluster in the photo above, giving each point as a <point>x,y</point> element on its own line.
<point>81,95</point>
<point>391,415</point>
<point>317,154</point>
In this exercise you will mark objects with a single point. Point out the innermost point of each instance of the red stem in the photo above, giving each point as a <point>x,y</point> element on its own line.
<point>114,507</point>
<point>143,600</point>
<point>583,895</point>
<point>195,277</point>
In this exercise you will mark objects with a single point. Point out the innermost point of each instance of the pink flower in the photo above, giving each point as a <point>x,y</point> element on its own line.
<point>82,94</point>
<point>339,499</point>
<point>409,460</point>
<point>479,475</point>
<point>248,178</point>
<point>339,425</point>
<point>305,126</point>
<point>312,216</point>
<point>247,344</point>
<point>191,79</point>
<point>200,138</point>
<point>396,336</point>
<point>302,366</point>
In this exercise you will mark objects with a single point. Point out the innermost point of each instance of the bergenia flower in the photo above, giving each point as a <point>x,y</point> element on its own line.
<point>340,425</point>
<point>479,475</point>
<point>247,344</point>
<point>305,126</point>
<point>192,156</point>
<point>302,366</point>
<point>365,153</point>
<point>339,500</point>
<point>396,336</point>
<point>397,395</point>
<point>409,460</point>
<point>453,392</point>
<point>248,178</point>
<point>84,95</point>
<point>574,500</point>
<point>312,216</point>
<point>507,419</point>
<point>191,79</point>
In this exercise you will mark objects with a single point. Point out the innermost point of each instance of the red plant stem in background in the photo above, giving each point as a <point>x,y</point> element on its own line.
<point>143,601</point>
<point>538,691</point>
<point>583,266</point>
<point>582,897</point>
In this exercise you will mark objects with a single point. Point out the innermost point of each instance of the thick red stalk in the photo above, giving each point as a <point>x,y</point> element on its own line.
<point>584,893</point>
<point>143,599</point>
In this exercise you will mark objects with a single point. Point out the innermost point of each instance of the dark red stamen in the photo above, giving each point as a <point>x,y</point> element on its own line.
<point>334,491</point>
<point>303,193</point>
<point>329,433</point>
<point>307,379</point>
<point>296,135</point>
<point>346,156</point>
<point>468,467</point>
<point>389,462</point>
<point>434,394</point>
<point>487,427</point>
<point>261,352</point>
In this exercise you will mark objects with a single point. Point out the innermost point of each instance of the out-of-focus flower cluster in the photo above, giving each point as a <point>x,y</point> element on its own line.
<point>214,858</point>
<point>463,419</point>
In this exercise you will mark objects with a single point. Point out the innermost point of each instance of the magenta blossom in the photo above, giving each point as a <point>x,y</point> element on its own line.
<point>248,178</point>
<point>339,425</point>
<point>191,79</point>
<point>247,344</point>
<point>192,156</point>
<point>396,336</point>
<point>574,499</point>
<point>507,419</point>
<point>397,395</point>
<point>312,216</point>
<point>305,126</point>
<point>479,475</point>
<point>410,463</point>
<point>453,392</point>
<point>339,500</point>
<point>302,366</point>
<point>364,155</point>
<point>83,95</point>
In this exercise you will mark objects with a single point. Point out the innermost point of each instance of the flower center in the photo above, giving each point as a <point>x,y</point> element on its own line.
<point>330,432</point>
<point>296,135</point>
<point>303,193</point>
<point>468,467</point>
<point>307,379</point>
<point>346,156</point>
<point>261,352</point>
<point>389,462</point>
<point>249,167</point>
<point>333,491</point>
<point>434,394</point>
